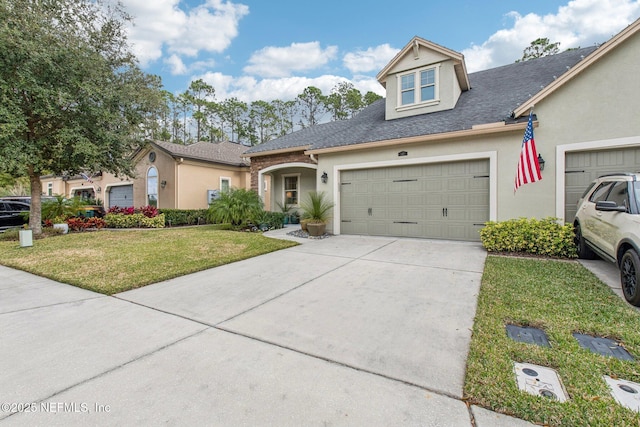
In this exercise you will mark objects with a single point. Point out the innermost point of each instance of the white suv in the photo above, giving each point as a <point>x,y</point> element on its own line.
<point>608,225</point>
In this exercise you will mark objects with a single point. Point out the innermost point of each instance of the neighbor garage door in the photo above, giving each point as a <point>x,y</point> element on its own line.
<point>443,200</point>
<point>121,196</point>
<point>583,167</point>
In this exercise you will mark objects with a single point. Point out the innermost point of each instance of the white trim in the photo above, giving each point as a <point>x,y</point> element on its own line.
<point>271,168</point>
<point>146,185</point>
<point>417,88</point>
<point>107,191</point>
<point>73,189</point>
<point>298,184</point>
<point>561,152</point>
<point>492,156</point>
<point>224,178</point>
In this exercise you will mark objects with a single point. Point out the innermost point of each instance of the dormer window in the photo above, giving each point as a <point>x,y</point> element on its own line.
<point>418,87</point>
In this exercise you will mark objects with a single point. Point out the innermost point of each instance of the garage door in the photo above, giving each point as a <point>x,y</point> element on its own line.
<point>442,201</point>
<point>121,196</point>
<point>583,167</point>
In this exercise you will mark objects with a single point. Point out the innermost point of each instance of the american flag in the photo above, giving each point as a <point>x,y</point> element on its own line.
<point>528,166</point>
<point>85,176</point>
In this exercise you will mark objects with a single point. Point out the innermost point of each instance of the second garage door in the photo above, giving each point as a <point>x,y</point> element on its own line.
<point>443,201</point>
<point>583,167</point>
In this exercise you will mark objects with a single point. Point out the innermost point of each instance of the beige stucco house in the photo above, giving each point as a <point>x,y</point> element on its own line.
<point>167,175</point>
<point>437,157</point>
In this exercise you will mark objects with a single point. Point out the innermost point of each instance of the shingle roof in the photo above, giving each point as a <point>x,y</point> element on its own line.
<point>225,152</point>
<point>494,94</point>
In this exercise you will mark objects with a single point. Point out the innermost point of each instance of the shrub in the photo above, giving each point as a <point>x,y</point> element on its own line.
<point>81,224</point>
<point>529,235</point>
<point>237,206</point>
<point>136,220</point>
<point>148,211</point>
<point>177,217</point>
<point>316,208</point>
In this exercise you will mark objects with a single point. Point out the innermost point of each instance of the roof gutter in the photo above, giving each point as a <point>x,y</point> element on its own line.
<point>280,151</point>
<point>485,129</point>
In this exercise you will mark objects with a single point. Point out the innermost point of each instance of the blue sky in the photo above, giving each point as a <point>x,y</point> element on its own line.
<point>273,49</point>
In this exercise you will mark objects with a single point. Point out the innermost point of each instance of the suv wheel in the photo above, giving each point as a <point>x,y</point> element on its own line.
<point>629,275</point>
<point>582,249</point>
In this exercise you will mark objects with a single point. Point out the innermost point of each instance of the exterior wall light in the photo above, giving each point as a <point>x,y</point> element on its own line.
<point>541,162</point>
<point>163,183</point>
<point>324,177</point>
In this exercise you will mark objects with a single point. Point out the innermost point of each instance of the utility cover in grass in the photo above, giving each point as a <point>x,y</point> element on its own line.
<point>626,393</point>
<point>539,381</point>
<point>603,346</point>
<point>528,335</point>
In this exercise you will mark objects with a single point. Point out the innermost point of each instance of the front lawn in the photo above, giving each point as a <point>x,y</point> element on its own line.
<point>559,297</point>
<point>115,261</point>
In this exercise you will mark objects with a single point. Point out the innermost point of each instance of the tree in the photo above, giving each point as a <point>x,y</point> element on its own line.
<point>539,48</point>
<point>199,95</point>
<point>311,103</point>
<point>284,111</point>
<point>369,98</point>
<point>233,111</point>
<point>263,122</point>
<point>72,96</point>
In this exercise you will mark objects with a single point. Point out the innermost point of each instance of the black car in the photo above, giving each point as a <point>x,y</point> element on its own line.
<point>13,214</point>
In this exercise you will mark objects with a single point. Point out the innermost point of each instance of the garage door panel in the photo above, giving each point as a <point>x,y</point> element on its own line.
<point>583,167</point>
<point>121,196</point>
<point>429,200</point>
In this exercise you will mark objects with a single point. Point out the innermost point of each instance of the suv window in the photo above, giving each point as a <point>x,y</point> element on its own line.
<point>620,194</point>
<point>16,206</point>
<point>601,192</point>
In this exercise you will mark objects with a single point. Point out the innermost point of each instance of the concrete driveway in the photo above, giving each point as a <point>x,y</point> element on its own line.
<point>341,331</point>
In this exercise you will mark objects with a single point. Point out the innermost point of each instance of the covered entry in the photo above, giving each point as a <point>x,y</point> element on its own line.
<point>437,200</point>
<point>584,166</point>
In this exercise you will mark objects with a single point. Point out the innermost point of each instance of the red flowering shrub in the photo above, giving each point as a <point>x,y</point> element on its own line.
<point>148,211</point>
<point>81,224</point>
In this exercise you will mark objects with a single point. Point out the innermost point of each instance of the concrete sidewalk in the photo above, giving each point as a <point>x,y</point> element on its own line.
<point>347,330</point>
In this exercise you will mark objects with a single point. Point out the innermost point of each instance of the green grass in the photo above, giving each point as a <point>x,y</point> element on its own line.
<point>115,261</point>
<point>560,297</point>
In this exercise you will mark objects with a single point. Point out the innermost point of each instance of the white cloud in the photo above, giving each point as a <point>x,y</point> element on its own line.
<point>176,65</point>
<point>248,89</point>
<point>161,24</point>
<point>580,23</point>
<point>371,60</point>
<point>274,61</point>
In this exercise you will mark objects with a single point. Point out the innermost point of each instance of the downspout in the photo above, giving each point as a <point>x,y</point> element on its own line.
<point>313,158</point>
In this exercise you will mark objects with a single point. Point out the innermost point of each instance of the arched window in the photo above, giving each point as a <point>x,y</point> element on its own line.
<point>152,187</point>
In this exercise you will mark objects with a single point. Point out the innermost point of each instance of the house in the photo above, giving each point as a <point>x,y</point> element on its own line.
<point>167,175</point>
<point>437,157</point>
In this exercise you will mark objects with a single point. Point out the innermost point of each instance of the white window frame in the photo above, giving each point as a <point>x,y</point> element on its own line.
<point>417,88</point>
<point>49,188</point>
<point>157,177</point>
<point>225,178</point>
<point>284,190</point>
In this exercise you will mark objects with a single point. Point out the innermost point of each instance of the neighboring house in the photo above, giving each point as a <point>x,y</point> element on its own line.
<point>167,175</point>
<point>437,157</point>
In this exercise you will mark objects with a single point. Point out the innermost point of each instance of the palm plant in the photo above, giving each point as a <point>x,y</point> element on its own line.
<point>316,208</point>
<point>236,207</point>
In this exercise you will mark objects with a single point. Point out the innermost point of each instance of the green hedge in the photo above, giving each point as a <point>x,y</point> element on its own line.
<point>529,235</point>
<point>136,220</point>
<point>177,217</point>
